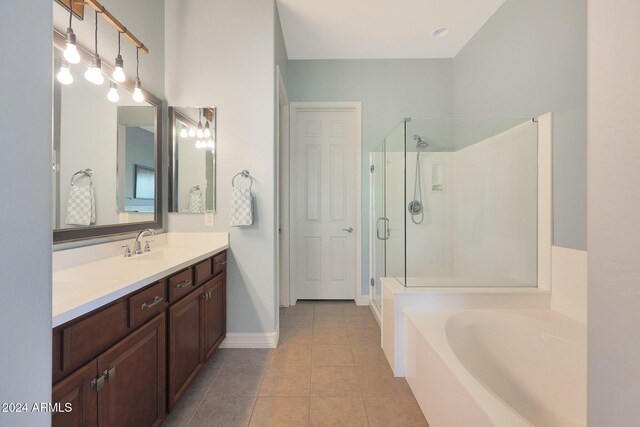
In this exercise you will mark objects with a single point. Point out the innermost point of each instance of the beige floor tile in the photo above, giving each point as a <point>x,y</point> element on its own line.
<point>360,321</point>
<point>328,320</point>
<point>296,321</point>
<point>378,381</point>
<point>369,355</point>
<point>286,381</point>
<point>303,308</point>
<point>356,310</point>
<point>292,355</point>
<point>246,356</point>
<point>238,381</point>
<point>331,355</point>
<point>364,336</point>
<point>296,336</point>
<point>330,336</point>
<point>394,412</point>
<point>337,411</point>
<point>334,381</point>
<point>281,412</point>
<point>329,308</point>
<point>223,411</point>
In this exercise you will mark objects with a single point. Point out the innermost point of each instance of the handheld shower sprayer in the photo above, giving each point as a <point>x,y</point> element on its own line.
<point>416,208</point>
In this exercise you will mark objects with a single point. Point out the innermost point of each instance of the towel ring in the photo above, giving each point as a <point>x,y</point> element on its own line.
<point>194,188</point>
<point>86,172</point>
<point>244,174</point>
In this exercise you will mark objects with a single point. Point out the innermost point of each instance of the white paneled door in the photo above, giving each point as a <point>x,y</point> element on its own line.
<point>324,172</point>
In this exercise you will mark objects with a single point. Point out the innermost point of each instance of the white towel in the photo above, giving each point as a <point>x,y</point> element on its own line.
<point>81,206</point>
<point>241,207</point>
<point>195,201</point>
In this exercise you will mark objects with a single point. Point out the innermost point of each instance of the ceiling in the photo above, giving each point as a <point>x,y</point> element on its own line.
<point>367,29</point>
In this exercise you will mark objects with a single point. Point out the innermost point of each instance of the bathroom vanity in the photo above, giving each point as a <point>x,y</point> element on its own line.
<point>129,338</point>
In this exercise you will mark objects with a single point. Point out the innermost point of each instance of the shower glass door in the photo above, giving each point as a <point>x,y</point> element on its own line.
<point>378,248</point>
<point>395,201</point>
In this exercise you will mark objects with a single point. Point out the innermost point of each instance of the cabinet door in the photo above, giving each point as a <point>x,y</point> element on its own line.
<point>76,393</point>
<point>185,343</point>
<point>133,394</point>
<point>214,314</point>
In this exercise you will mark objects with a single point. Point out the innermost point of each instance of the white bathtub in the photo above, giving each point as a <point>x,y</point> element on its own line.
<point>497,367</point>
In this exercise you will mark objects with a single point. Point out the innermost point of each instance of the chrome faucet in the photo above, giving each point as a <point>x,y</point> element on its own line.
<point>138,246</point>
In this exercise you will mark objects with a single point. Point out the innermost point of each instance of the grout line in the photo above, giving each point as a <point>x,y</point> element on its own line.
<point>259,389</point>
<point>224,363</point>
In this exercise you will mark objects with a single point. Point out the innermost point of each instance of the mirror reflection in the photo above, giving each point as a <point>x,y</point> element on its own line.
<point>193,159</point>
<point>104,156</point>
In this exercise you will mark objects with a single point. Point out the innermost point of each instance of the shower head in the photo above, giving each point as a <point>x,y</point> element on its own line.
<point>420,144</point>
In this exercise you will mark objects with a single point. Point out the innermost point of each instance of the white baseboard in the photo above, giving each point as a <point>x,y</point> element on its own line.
<point>251,340</point>
<point>363,300</point>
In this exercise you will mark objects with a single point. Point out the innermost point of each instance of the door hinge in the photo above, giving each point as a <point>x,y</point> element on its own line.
<point>372,282</point>
<point>372,168</point>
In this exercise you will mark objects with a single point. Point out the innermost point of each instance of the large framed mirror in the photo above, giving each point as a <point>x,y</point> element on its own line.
<point>107,156</point>
<point>192,151</point>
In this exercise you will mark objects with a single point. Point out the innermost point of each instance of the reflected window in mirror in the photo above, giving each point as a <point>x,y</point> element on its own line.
<point>192,159</point>
<point>109,139</point>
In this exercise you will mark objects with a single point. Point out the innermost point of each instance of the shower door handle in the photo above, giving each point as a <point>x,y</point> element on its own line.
<point>386,228</point>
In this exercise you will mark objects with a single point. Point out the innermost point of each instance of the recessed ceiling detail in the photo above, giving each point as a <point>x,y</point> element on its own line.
<point>376,29</point>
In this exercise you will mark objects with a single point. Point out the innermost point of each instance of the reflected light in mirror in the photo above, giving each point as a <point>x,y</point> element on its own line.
<point>113,93</point>
<point>64,75</point>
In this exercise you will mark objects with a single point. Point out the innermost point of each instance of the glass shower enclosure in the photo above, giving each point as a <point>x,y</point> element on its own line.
<point>454,204</point>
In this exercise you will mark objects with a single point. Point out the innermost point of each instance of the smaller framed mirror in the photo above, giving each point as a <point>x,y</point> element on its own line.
<point>192,160</point>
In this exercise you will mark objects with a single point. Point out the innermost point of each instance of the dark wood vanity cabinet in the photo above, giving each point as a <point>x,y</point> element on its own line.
<point>215,315</point>
<point>128,363</point>
<point>197,327</point>
<point>185,344</point>
<point>77,398</point>
<point>124,386</point>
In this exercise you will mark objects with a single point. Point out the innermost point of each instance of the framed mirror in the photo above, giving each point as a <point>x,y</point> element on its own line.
<point>107,156</point>
<point>192,151</point>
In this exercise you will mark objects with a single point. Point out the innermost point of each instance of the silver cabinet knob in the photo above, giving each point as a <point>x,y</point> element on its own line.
<point>348,230</point>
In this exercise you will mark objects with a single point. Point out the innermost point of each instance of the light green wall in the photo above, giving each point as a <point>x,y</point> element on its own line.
<point>389,90</point>
<point>531,58</point>
<point>26,94</point>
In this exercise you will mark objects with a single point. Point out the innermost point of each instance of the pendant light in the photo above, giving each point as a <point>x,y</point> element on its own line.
<point>192,132</point>
<point>94,72</point>
<point>183,132</point>
<point>137,87</point>
<point>64,75</point>
<point>118,71</point>
<point>113,95</point>
<point>200,131</point>
<point>71,52</point>
<point>207,131</point>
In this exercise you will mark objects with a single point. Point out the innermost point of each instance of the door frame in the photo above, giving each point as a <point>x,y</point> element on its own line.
<point>283,253</point>
<point>356,107</point>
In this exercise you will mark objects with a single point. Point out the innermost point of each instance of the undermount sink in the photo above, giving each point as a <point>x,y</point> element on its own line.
<point>158,255</point>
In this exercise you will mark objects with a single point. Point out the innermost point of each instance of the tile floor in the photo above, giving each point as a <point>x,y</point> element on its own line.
<point>328,370</point>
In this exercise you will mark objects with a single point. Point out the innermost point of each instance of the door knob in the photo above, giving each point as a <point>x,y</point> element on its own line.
<point>348,230</point>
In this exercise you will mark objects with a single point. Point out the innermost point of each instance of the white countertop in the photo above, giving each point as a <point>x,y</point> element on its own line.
<point>88,278</point>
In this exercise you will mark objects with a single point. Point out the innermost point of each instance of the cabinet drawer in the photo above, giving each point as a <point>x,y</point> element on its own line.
<point>148,303</point>
<point>220,263</point>
<point>84,340</point>
<point>180,284</point>
<point>203,271</point>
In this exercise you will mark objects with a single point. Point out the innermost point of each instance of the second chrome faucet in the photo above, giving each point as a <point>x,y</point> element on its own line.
<point>137,247</point>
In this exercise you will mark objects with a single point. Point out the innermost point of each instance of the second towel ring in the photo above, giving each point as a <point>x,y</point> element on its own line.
<point>86,172</point>
<point>244,174</point>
